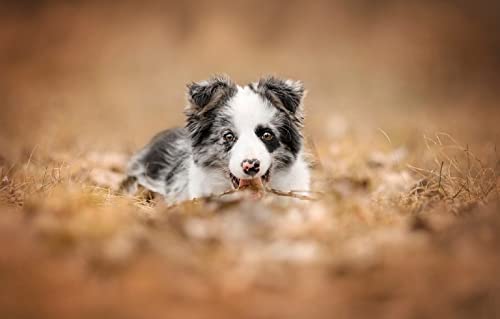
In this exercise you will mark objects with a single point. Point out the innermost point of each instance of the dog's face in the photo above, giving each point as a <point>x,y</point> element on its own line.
<point>246,132</point>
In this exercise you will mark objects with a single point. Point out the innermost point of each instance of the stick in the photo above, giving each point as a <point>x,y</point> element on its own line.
<point>290,194</point>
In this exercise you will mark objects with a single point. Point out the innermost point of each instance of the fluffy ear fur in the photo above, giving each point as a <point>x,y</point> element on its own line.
<point>203,97</point>
<point>206,95</point>
<point>286,95</point>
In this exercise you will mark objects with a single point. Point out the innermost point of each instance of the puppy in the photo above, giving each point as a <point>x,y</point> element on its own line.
<point>234,136</point>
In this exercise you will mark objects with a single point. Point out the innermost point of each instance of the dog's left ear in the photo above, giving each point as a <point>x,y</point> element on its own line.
<point>206,95</point>
<point>283,94</point>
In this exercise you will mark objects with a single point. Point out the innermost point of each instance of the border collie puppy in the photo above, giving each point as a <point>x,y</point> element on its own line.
<point>233,136</point>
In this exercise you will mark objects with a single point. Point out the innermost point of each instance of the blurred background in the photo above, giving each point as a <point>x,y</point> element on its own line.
<point>101,75</point>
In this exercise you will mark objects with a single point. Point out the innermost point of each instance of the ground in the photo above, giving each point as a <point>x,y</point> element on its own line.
<point>389,231</point>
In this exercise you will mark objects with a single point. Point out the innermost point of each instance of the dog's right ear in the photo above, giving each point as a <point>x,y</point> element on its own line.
<point>286,95</point>
<point>206,95</point>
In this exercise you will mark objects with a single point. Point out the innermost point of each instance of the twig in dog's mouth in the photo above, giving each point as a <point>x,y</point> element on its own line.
<point>293,194</point>
<point>255,183</point>
<point>259,185</point>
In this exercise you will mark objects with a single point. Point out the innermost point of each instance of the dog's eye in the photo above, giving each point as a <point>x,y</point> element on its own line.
<point>229,137</point>
<point>267,136</point>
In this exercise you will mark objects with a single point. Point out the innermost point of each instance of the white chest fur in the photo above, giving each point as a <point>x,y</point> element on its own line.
<point>205,182</point>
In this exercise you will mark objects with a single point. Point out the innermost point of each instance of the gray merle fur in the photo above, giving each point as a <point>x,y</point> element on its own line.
<point>159,162</point>
<point>206,120</point>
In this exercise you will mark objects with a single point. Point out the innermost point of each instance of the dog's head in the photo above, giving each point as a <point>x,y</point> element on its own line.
<point>246,132</point>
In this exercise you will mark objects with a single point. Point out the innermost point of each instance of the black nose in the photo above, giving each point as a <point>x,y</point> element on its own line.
<point>251,166</point>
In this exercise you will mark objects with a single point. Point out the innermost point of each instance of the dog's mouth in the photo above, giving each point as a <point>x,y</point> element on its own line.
<point>258,182</point>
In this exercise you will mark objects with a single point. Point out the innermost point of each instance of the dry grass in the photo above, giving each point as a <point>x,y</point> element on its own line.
<point>377,237</point>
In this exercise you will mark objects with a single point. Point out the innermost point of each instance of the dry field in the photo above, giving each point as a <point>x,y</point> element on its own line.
<point>403,133</point>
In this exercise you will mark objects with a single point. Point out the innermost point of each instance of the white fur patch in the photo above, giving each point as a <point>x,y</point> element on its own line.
<point>295,178</point>
<point>204,182</point>
<point>248,111</point>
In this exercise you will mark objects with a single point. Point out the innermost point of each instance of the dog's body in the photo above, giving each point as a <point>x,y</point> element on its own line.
<point>233,135</point>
